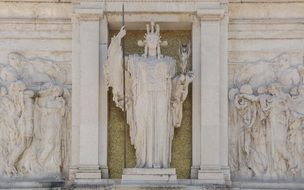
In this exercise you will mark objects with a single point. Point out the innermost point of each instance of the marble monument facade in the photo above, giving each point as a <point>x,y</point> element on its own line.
<point>247,91</point>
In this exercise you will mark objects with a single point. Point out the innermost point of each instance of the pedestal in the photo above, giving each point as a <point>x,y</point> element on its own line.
<point>88,172</point>
<point>211,176</point>
<point>148,175</point>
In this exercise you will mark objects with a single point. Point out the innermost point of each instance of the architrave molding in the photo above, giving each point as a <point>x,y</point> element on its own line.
<point>89,10</point>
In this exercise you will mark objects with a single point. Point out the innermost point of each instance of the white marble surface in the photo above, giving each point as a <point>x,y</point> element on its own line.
<point>261,50</point>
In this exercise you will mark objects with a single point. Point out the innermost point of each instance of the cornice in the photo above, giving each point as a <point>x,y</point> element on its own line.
<point>89,10</point>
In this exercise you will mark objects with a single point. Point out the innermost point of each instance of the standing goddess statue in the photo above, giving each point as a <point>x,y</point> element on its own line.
<point>154,96</point>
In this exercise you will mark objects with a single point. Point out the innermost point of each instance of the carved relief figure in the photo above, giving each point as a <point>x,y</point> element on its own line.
<point>296,129</point>
<point>277,126</point>
<point>9,133</point>
<point>51,107</point>
<point>31,119</point>
<point>234,129</point>
<point>154,98</point>
<point>245,103</point>
<point>273,145</point>
<point>17,97</point>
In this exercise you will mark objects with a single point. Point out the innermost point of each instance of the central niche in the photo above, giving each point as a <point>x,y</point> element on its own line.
<point>182,141</point>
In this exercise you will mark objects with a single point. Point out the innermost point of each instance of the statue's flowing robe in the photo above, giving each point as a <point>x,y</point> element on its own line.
<point>149,113</point>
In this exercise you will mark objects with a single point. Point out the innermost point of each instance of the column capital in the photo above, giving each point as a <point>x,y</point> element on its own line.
<point>89,10</point>
<point>210,14</point>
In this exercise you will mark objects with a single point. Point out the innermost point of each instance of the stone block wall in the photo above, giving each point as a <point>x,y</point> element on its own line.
<point>265,52</point>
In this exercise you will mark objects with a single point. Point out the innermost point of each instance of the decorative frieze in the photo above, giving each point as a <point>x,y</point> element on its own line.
<point>266,119</point>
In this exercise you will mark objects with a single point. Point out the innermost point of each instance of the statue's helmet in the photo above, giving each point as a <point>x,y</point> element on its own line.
<point>153,37</point>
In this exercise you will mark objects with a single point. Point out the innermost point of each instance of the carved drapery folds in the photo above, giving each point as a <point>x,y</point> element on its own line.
<point>266,119</point>
<point>34,115</point>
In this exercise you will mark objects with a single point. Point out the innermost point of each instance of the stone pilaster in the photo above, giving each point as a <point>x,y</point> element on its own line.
<point>86,103</point>
<point>211,98</point>
<point>103,99</point>
<point>196,98</point>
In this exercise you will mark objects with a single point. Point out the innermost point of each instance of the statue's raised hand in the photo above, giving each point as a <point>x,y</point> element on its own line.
<point>122,32</point>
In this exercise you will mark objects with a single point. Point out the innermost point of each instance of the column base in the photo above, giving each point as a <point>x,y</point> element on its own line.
<point>88,172</point>
<point>212,176</point>
<point>148,175</point>
<point>104,172</point>
<point>194,172</point>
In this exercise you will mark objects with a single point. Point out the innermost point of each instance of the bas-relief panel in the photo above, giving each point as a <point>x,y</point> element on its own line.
<point>266,115</point>
<point>35,98</point>
<point>181,149</point>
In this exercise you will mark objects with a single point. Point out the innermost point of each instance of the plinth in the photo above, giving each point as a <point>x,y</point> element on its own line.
<point>149,175</point>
